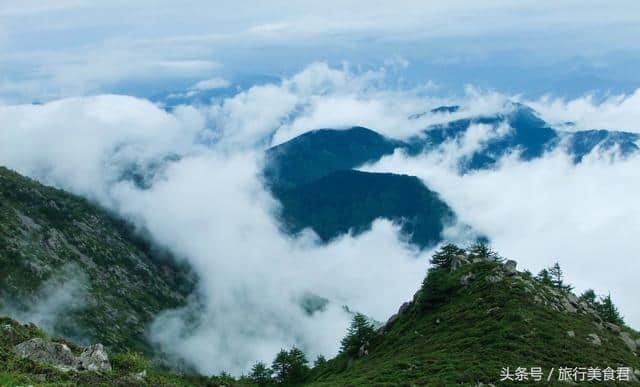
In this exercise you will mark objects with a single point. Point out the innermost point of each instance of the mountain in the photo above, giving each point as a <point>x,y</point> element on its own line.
<point>72,267</point>
<point>313,178</point>
<point>477,316</point>
<point>349,200</point>
<point>312,175</point>
<point>529,135</point>
<point>318,153</point>
<point>475,321</point>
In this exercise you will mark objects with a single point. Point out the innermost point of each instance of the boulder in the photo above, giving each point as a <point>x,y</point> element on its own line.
<point>41,351</point>
<point>466,280</point>
<point>567,306</point>
<point>94,358</point>
<point>510,267</point>
<point>458,261</point>
<point>612,327</point>
<point>573,299</point>
<point>571,334</point>
<point>628,340</point>
<point>594,339</point>
<point>390,321</point>
<point>495,278</point>
<point>404,307</point>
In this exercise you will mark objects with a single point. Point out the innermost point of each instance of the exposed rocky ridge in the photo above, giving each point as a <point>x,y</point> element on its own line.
<point>469,321</point>
<point>50,240</point>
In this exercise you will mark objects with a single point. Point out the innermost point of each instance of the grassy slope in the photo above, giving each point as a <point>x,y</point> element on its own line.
<point>477,331</point>
<point>44,230</point>
<point>21,372</point>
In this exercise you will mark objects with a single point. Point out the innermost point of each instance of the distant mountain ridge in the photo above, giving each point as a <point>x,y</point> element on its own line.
<point>308,173</point>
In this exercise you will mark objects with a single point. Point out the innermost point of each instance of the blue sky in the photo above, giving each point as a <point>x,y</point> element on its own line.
<point>150,48</point>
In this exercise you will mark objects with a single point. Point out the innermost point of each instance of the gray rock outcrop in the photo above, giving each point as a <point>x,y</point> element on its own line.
<point>41,351</point>
<point>93,358</point>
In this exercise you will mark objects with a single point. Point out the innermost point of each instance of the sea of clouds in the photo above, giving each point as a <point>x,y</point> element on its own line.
<point>206,203</point>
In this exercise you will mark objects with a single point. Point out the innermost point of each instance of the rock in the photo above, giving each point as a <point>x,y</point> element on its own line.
<point>594,339</point>
<point>571,334</point>
<point>363,350</point>
<point>94,358</point>
<point>390,321</point>
<point>628,340</point>
<point>404,307</point>
<point>510,267</point>
<point>612,327</point>
<point>495,278</point>
<point>458,261</point>
<point>567,306</point>
<point>7,327</point>
<point>573,299</point>
<point>466,280</point>
<point>140,376</point>
<point>41,351</point>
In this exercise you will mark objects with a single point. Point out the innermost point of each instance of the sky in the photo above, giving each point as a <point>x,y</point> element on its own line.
<point>115,86</point>
<point>150,48</point>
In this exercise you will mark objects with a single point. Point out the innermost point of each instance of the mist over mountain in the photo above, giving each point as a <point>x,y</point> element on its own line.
<point>267,207</point>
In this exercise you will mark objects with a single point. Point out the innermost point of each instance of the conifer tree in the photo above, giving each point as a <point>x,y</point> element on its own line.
<point>260,374</point>
<point>320,361</point>
<point>444,256</point>
<point>290,368</point>
<point>359,332</point>
<point>589,296</point>
<point>609,312</point>
<point>483,251</point>
<point>544,277</point>
<point>557,277</point>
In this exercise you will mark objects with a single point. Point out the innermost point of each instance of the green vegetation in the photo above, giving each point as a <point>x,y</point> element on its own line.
<point>349,200</point>
<point>470,319</point>
<point>129,369</point>
<point>49,237</point>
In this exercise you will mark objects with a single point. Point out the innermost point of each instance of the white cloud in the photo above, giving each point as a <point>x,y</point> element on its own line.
<point>618,112</point>
<point>209,208</point>
<point>71,47</point>
<point>584,216</point>
<point>209,84</point>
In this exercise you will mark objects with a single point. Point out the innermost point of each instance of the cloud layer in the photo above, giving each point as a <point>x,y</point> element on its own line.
<point>204,202</point>
<point>79,47</point>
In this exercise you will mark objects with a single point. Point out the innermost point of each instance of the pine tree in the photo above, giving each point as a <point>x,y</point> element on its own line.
<point>320,361</point>
<point>260,374</point>
<point>290,367</point>
<point>281,366</point>
<point>544,277</point>
<point>444,256</point>
<point>608,311</point>
<point>589,296</point>
<point>557,277</point>
<point>359,332</point>
<point>299,368</point>
<point>483,251</point>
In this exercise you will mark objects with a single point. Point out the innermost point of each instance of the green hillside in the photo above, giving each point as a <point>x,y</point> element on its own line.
<point>109,282</point>
<point>352,200</point>
<point>471,320</point>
